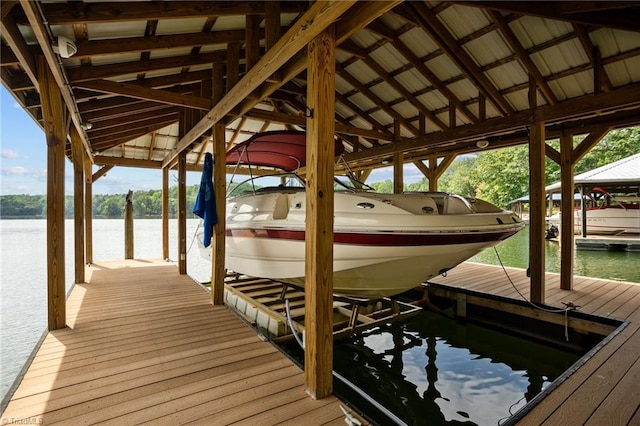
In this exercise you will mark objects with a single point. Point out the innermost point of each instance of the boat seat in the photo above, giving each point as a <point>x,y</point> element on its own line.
<point>281,209</point>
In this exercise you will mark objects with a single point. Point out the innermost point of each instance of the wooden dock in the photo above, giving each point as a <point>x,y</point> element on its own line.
<point>602,391</point>
<point>144,345</point>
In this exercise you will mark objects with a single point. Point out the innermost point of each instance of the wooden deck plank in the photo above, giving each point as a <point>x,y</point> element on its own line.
<point>622,402</point>
<point>144,344</point>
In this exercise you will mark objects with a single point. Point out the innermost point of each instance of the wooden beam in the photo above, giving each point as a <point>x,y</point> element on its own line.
<point>106,71</point>
<point>78,157</point>
<point>54,118</point>
<point>101,172</point>
<point>523,55</point>
<point>218,241</point>
<point>398,163</point>
<point>567,206</point>
<point>537,213</point>
<point>319,16</point>
<point>33,15</point>
<point>443,38</point>
<point>88,211</point>
<point>182,213</point>
<point>319,216</point>
<point>252,39</point>
<point>135,91</point>
<point>364,90</point>
<point>134,116</point>
<point>13,37</point>
<point>165,213</point>
<point>587,143</point>
<point>218,270</point>
<point>602,14</point>
<point>87,13</point>
<point>350,23</point>
<point>89,48</point>
<point>573,109</point>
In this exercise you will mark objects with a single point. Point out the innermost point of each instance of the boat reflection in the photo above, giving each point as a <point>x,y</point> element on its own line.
<point>434,370</point>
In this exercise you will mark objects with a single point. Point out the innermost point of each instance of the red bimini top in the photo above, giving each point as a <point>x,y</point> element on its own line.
<point>285,150</point>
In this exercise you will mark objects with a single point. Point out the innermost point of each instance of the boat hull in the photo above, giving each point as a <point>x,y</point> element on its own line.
<point>361,270</point>
<point>605,221</point>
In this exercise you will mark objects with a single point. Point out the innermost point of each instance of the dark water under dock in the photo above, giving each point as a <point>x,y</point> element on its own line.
<point>435,370</point>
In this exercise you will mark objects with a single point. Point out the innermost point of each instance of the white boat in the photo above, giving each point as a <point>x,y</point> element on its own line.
<point>384,244</point>
<point>619,215</point>
<point>622,218</point>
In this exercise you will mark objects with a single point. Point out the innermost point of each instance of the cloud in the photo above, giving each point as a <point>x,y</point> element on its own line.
<point>14,171</point>
<point>8,153</point>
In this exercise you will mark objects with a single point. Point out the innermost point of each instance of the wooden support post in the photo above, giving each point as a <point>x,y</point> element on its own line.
<point>88,211</point>
<point>566,227</point>
<point>583,212</point>
<point>128,226</point>
<point>182,213</point>
<point>165,213</point>
<point>319,215</point>
<point>398,176</point>
<point>55,128</point>
<point>432,177</point>
<point>398,162</point>
<point>218,270</point>
<point>78,156</point>
<point>537,214</point>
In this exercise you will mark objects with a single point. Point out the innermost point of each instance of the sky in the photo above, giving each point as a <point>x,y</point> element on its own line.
<point>23,161</point>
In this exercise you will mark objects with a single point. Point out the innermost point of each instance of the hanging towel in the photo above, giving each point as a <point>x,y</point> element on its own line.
<point>205,206</point>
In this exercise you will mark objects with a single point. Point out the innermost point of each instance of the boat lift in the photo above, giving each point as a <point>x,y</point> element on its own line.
<point>262,302</point>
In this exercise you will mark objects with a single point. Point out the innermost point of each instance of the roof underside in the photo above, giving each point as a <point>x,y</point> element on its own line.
<point>427,78</point>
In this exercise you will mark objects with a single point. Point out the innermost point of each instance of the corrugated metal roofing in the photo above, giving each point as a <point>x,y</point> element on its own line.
<point>626,170</point>
<point>449,54</point>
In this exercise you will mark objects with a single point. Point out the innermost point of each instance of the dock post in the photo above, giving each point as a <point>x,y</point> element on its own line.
<point>54,114</point>
<point>128,226</point>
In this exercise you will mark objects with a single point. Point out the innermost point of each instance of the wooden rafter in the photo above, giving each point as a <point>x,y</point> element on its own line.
<point>394,40</point>
<point>311,23</point>
<point>612,14</point>
<point>523,56</point>
<point>430,23</point>
<point>58,73</point>
<point>97,72</point>
<point>134,117</point>
<point>375,99</point>
<point>571,109</point>
<point>135,91</point>
<point>66,14</point>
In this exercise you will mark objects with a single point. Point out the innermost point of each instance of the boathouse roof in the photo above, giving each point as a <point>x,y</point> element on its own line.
<point>428,79</point>
<point>624,173</point>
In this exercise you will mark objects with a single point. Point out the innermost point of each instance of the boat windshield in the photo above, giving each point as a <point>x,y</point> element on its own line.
<point>289,181</point>
<point>265,183</point>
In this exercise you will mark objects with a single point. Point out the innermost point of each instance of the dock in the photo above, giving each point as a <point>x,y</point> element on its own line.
<point>603,390</point>
<point>144,345</point>
<point>613,243</point>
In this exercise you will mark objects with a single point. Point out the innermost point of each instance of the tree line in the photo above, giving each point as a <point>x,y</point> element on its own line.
<point>502,175</point>
<point>498,176</point>
<point>146,204</point>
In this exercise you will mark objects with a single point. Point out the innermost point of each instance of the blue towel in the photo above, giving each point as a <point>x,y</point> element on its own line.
<point>205,206</point>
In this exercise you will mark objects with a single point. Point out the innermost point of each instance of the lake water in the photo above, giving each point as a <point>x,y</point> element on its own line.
<point>23,273</point>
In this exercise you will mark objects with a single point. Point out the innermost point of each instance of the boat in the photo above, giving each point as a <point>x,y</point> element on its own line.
<point>606,214</point>
<point>384,244</point>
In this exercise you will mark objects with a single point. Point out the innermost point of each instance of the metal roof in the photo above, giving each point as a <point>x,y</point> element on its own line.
<point>449,73</point>
<point>624,171</point>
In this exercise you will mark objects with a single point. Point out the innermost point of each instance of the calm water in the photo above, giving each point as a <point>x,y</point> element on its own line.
<point>618,265</point>
<point>23,300</point>
<point>433,370</point>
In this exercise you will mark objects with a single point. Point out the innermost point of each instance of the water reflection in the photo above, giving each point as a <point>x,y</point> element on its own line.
<point>619,265</point>
<point>434,370</point>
